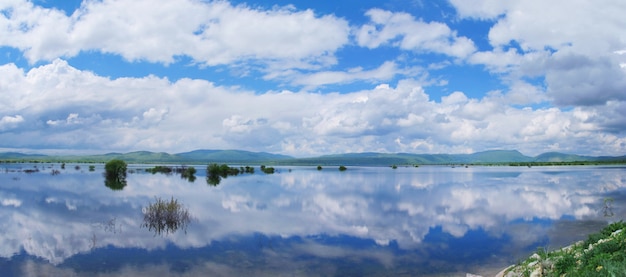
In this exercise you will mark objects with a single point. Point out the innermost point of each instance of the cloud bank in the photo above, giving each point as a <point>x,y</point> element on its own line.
<point>561,67</point>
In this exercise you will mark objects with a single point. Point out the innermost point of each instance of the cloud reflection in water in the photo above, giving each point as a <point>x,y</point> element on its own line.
<point>398,211</point>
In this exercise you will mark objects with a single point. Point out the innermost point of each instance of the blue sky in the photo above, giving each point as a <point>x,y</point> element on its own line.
<point>306,78</point>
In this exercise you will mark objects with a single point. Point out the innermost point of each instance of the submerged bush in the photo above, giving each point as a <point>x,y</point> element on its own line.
<point>165,217</point>
<point>115,169</point>
<point>216,172</point>
<point>189,173</point>
<point>160,169</point>
<point>267,170</point>
<point>115,174</point>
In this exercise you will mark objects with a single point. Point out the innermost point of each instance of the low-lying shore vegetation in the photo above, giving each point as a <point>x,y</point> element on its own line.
<point>601,254</point>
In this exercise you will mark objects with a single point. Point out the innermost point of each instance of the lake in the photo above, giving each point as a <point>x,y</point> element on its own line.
<point>365,221</point>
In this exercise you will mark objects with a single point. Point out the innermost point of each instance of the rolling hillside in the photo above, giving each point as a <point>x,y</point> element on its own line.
<point>365,159</point>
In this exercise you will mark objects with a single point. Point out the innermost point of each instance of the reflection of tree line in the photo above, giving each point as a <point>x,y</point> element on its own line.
<point>188,173</point>
<point>215,173</point>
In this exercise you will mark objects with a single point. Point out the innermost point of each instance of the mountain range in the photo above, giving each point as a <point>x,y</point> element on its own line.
<point>368,158</point>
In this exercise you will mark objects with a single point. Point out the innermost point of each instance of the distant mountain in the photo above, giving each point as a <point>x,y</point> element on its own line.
<point>560,157</point>
<point>365,159</point>
<point>144,156</point>
<point>360,159</point>
<point>17,155</point>
<point>232,156</point>
<point>369,158</point>
<point>495,156</point>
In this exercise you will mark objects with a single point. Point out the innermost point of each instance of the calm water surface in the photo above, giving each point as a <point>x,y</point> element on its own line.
<point>366,221</point>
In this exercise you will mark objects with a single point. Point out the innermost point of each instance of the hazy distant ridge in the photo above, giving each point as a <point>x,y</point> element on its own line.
<point>368,158</point>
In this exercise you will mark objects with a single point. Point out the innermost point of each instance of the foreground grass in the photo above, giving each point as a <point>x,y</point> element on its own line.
<point>602,254</point>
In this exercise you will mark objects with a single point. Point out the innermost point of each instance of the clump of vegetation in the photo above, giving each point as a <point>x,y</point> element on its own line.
<point>602,254</point>
<point>92,168</point>
<point>160,169</point>
<point>216,172</point>
<point>268,169</point>
<point>115,174</point>
<point>319,167</point>
<point>222,170</point>
<point>29,171</point>
<point>188,173</point>
<point>342,168</point>
<point>165,217</point>
<point>115,169</point>
<point>184,171</point>
<point>394,166</point>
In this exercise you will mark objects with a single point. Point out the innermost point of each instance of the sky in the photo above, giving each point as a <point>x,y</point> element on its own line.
<point>308,78</point>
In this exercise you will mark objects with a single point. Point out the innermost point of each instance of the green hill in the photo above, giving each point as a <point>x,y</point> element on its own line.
<point>559,157</point>
<point>230,156</point>
<point>364,159</point>
<point>370,158</point>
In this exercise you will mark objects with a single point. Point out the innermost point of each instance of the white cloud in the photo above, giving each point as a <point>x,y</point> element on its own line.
<point>575,79</point>
<point>211,33</point>
<point>404,31</point>
<point>384,72</point>
<point>588,27</point>
<point>486,9</point>
<point>80,110</point>
<point>573,45</point>
<point>7,121</point>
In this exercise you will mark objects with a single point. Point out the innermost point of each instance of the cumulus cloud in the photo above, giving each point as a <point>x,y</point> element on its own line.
<point>575,79</point>
<point>385,72</point>
<point>8,121</point>
<point>404,31</point>
<point>574,46</point>
<point>573,64</point>
<point>78,109</point>
<point>211,33</point>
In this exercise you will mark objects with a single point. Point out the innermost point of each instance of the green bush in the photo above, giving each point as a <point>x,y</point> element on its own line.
<point>115,174</point>
<point>216,172</point>
<point>267,170</point>
<point>115,169</point>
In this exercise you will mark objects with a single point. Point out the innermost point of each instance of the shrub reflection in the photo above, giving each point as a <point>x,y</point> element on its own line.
<point>165,217</point>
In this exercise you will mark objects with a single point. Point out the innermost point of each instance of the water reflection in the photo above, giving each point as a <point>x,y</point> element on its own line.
<point>114,183</point>
<point>165,217</point>
<point>412,221</point>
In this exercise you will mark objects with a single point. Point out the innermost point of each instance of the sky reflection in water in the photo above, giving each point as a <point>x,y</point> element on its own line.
<point>365,221</point>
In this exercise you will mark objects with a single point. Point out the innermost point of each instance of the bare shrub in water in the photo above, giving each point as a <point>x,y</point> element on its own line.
<point>164,217</point>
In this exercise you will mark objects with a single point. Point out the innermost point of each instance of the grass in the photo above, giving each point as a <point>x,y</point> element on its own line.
<point>601,254</point>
